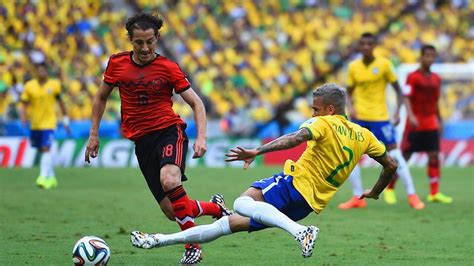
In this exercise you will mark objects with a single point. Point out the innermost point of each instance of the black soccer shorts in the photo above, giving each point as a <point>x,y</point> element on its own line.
<point>418,141</point>
<point>158,148</point>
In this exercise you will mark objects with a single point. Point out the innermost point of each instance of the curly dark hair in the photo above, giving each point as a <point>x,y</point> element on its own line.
<point>143,21</point>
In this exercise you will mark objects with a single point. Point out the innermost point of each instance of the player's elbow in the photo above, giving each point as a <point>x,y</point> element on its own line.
<point>392,166</point>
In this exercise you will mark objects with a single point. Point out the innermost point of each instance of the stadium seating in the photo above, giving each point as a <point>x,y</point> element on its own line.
<point>242,56</point>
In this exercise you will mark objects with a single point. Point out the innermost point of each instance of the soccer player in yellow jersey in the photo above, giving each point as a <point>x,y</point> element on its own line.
<point>39,99</point>
<point>368,78</point>
<point>334,147</point>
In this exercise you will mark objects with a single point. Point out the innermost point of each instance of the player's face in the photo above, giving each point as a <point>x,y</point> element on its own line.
<point>366,46</point>
<point>144,45</point>
<point>428,58</point>
<point>319,108</point>
<point>42,72</point>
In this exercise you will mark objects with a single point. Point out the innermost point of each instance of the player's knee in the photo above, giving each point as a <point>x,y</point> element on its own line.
<point>170,177</point>
<point>241,203</point>
<point>433,158</point>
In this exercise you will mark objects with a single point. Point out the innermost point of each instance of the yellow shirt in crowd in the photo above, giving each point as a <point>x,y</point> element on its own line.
<point>41,101</point>
<point>369,83</point>
<point>334,150</point>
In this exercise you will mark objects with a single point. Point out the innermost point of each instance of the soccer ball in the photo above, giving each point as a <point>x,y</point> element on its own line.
<point>90,250</point>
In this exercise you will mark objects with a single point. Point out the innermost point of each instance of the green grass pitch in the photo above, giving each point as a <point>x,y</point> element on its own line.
<point>40,227</point>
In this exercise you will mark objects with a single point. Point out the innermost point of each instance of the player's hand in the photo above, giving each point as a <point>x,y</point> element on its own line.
<point>23,121</point>
<point>92,149</point>
<point>396,119</point>
<point>241,154</point>
<point>199,148</point>
<point>368,194</point>
<point>68,130</point>
<point>413,121</point>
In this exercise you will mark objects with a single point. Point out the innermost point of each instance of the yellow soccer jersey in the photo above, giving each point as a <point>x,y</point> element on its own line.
<point>41,101</point>
<point>335,149</point>
<point>369,83</point>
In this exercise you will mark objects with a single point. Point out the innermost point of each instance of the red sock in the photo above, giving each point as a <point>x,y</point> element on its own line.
<point>434,175</point>
<point>182,208</point>
<point>391,185</point>
<point>205,208</point>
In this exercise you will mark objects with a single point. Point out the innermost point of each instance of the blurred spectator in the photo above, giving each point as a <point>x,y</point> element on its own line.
<point>243,56</point>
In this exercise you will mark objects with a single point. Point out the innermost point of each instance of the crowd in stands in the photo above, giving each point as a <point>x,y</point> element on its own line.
<point>245,58</point>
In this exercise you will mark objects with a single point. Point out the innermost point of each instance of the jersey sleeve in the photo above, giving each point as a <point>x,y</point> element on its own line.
<point>110,73</point>
<point>375,148</point>
<point>390,74</point>
<point>315,127</point>
<point>178,79</point>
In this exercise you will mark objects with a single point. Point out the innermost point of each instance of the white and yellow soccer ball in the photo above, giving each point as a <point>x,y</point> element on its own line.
<point>90,250</point>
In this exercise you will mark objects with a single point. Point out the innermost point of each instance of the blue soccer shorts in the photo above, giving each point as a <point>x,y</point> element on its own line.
<point>383,130</point>
<point>42,138</point>
<point>279,191</point>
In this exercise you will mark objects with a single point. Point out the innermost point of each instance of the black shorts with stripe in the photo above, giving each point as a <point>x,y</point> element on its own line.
<point>418,141</point>
<point>158,148</point>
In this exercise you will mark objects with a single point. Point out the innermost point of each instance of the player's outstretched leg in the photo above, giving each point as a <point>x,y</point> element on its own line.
<point>197,234</point>
<point>267,214</point>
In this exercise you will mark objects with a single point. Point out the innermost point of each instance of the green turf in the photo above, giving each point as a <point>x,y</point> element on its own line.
<point>40,227</point>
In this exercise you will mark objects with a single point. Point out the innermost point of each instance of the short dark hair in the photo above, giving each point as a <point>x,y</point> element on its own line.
<point>143,21</point>
<point>42,64</point>
<point>368,35</point>
<point>425,47</point>
<point>333,94</point>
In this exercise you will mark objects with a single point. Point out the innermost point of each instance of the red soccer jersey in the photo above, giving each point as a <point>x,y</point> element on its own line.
<point>423,91</point>
<point>145,92</point>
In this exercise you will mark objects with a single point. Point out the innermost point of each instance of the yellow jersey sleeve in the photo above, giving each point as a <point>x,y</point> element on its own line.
<point>390,74</point>
<point>375,148</point>
<point>315,127</point>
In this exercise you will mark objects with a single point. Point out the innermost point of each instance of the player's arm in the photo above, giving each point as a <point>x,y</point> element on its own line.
<point>98,107</point>
<point>411,115</point>
<point>440,121</point>
<point>389,168</point>
<point>62,106</point>
<point>400,100</point>
<point>350,103</point>
<point>22,111</point>
<point>199,112</point>
<point>284,142</point>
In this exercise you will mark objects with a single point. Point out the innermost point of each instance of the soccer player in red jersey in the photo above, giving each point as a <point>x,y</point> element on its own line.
<point>422,131</point>
<point>146,81</point>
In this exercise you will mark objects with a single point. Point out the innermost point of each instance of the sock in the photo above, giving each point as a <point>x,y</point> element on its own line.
<point>266,214</point>
<point>51,166</point>
<point>391,185</point>
<point>356,181</point>
<point>45,163</point>
<point>434,174</point>
<point>198,234</point>
<point>205,208</point>
<point>403,171</point>
<point>182,209</point>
